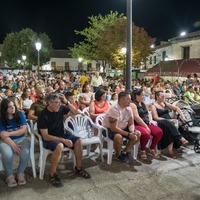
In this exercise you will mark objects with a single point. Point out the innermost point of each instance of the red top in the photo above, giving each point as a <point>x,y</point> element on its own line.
<point>100,109</point>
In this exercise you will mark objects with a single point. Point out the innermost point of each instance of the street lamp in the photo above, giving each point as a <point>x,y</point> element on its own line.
<point>24,59</point>
<point>38,46</point>
<point>19,61</point>
<point>129,45</point>
<point>80,63</point>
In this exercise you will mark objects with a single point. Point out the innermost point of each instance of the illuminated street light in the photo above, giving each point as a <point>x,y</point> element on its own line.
<point>183,33</point>
<point>24,59</point>
<point>18,61</point>
<point>38,46</point>
<point>152,46</point>
<point>80,63</point>
<point>129,45</point>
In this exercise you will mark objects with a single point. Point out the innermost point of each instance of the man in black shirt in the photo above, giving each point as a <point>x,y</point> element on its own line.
<point>55,138</point>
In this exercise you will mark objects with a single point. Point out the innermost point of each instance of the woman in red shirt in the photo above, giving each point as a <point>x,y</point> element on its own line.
<point>99,105</point>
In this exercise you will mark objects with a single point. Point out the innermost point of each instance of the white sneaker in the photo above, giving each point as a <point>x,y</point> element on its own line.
<point>21,179</point>
<point>11,182</point>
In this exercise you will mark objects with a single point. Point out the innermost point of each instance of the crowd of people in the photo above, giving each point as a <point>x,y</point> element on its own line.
<point>139,115</point>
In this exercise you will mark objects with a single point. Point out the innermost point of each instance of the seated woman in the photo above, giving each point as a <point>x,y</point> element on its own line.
<point>26,101</point>
<point>86,96</point>
<point>145,124</point>
<point>13,141</point>
<point>99,105</point>
<point>160,112</point>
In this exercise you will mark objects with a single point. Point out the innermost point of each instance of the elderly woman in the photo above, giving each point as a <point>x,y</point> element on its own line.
<point>145,124</point>
<point>99,105</point>
<point>13,141</point>
<point>160,112</point>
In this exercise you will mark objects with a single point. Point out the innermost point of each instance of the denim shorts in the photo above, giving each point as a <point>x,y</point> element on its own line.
<point>51,145</point>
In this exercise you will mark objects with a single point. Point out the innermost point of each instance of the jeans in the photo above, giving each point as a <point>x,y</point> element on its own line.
<point>7,155</point>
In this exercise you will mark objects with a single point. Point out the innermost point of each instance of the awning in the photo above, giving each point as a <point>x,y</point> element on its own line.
<point>175,68</point>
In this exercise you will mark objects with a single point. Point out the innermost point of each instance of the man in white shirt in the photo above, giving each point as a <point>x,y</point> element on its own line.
<point>119,121</point>
<point>96,81</point>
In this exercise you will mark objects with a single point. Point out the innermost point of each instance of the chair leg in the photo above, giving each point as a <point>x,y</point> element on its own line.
<point>110,152</point>
<point>43,159</point>
<point>33,163</point>
<point>135,154</point>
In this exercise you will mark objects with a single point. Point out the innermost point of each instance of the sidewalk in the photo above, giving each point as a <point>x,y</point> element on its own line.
<point>153,180</point>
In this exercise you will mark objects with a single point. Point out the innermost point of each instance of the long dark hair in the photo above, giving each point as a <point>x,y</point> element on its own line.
<point>135,92</point>
<point>4,112</point>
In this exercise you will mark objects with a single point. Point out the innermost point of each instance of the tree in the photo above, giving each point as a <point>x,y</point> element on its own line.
<point>87,49</point>
<point>106,36</point>
<point>23,43</point>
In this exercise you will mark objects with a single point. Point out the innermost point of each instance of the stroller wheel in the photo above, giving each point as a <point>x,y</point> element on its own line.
<point>197,146</point>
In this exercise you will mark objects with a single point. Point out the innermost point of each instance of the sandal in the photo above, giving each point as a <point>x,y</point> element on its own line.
<point>143,155</point>
<point>154,153</point>
<point>171,155</point>
<point>82,173</point>
<point>184,142</point>
<point>55,180</point>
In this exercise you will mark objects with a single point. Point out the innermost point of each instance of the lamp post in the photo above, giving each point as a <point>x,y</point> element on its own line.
<point>129,45</point>
<point>80,63</point>
<point>38,46</point>
<point>123,51</point>
<point>24,59</point>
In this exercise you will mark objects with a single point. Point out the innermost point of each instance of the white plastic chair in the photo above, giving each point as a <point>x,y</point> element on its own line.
<point>83,127</point>
<point>32,157</point>
<point>99,120</point>
<point>45,152</point>
<point>85,111</point>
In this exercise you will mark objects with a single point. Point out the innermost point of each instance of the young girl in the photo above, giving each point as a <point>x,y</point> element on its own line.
<point>13,141</point>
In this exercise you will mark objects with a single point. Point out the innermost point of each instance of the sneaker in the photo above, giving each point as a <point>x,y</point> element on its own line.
<point>21,179</point>
<point>11,182</point>
<point>123,157</point>
<point>56,180</point>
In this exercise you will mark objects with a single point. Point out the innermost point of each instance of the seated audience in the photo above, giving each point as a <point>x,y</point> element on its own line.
<point>13,141</point>
<point>119,121</point>
<point>55,138</point>
<point>99,105</point>
<point>160,112</point>
<point>145,124</point>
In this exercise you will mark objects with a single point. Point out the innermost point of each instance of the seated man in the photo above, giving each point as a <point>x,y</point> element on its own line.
<point>38,106</point>
<point>51,128</point>
<point>120,123</point>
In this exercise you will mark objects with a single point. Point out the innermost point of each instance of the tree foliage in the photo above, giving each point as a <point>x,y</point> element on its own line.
<point>23,43</point>
<point>105,37</point>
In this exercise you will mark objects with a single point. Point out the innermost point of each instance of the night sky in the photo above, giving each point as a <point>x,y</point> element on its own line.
<point>162,19</point>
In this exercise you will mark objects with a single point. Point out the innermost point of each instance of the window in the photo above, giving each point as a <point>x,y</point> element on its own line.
<point>163,55</point>
<point>67,66</point>
<point>154,59</point>
<point>53,65</point>
<point>186,52</point>
<point>150,61</point>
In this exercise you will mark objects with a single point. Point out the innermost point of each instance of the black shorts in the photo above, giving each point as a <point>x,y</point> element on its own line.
<point>112,134</point>
<point>51,145</point>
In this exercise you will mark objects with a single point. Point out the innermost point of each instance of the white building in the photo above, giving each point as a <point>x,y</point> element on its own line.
<point>182,47</point>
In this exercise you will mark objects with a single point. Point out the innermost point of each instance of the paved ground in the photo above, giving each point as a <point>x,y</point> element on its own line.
<point>154,180</point>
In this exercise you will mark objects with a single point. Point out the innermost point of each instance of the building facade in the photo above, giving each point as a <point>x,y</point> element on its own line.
<point>182,47</point>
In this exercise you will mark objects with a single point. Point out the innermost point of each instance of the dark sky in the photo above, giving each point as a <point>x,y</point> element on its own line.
<point>162,19</point>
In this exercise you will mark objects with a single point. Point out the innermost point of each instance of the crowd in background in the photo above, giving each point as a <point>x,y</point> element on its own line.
<point>100,94</point>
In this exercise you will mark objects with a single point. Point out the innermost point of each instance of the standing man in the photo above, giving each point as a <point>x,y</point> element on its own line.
<point>119,121</point>
<point>96,81</point>
<point>51,128</point>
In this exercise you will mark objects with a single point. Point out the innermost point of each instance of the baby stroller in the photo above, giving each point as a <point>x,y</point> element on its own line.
<point>190,129</point>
